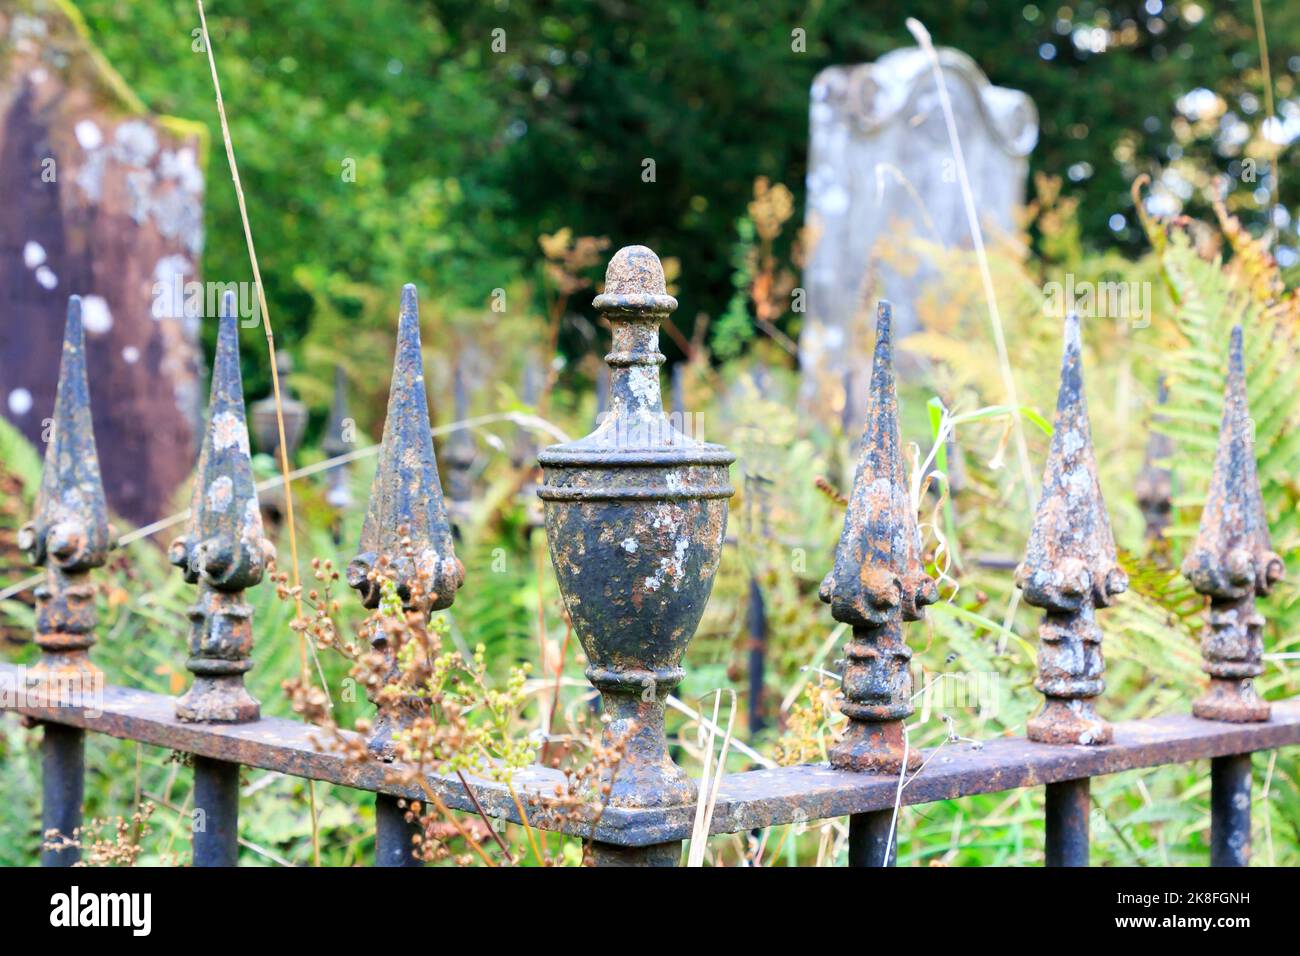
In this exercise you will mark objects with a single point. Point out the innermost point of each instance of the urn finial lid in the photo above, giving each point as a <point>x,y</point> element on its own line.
<point>1233,555</point>
<point>1070,557</point>
<point>635,431</point>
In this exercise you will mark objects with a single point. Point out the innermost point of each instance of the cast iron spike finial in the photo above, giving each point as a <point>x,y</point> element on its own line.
<point>406,521</point>
<point>1232,562</point>
<point>1154,490</point>
<point>406,537</point>
<point>878,582</point>
<point>635,517</point>
<point>69,533</point>
<point>223,549</point>
<point>1070,569</point>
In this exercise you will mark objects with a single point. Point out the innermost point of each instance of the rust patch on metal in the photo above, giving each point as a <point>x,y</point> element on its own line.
<point>877,583</point>
<point>1070,569</point>
<point>746,800</point>
<point>1232,562</point>
<point>223,549</point>
<point>635,517</point>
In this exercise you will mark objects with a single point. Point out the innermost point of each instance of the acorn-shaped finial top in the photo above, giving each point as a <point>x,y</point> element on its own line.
<point>634,282</point>
<point>1233,556</point>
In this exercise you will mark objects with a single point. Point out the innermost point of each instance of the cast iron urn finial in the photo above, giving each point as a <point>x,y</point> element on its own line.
<point>1070,569</point>
<point>69,534</point>
<point>406,537</point>
<point>1232,562</point>
<point>635,516</point>
<point>877,583</point>
<point>223,549</point>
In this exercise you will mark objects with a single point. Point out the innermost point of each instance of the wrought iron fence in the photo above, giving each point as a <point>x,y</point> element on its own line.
<point>635,515</point>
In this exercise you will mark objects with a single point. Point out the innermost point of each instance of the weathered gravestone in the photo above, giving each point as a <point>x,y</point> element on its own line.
<point>881,169</point>
<point>100,199</point>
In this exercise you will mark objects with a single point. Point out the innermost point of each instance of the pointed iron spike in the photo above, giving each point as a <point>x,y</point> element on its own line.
<point>878,582</point>
<point>880,528</point>
<point>70,527</point>
<point>406,537</point>
<point>406,521</point>
<point>1070,568</point>
<point>1233,561</point>
<point>223,550</point>
<point>69,532</point>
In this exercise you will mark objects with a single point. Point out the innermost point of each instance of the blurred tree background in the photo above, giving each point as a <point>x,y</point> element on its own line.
<point>383,141</point>
<point>482,149</point>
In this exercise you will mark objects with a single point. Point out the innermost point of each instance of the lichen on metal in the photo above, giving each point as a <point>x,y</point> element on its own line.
<point>635,518</point>
<point>1232,562</point>
<point>1154,487</point>
<point>69,534</point>
<point>406,537</point>
<point>1070,569</point>
<point>877,583</point>
<point>223,549</point>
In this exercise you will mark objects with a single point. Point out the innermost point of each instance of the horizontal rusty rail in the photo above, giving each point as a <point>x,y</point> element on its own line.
<point>747,800</point>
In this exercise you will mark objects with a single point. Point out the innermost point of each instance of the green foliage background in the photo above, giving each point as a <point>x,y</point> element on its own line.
<point>464,156</point>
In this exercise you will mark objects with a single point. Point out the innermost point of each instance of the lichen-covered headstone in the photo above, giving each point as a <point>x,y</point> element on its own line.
<point>881,170</point>
<point>101,199</point>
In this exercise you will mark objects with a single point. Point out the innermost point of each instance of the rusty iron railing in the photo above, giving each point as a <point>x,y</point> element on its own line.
<point>635,515</point>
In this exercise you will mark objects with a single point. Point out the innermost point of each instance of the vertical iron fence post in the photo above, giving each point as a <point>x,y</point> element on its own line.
<point>338,441</point>
<point>635,517</point>
<point>756,626</point>
<point>459,454</point>
<point>68,536</point>
<point>877,583</point>
<point>406,536</point>
<point>1231,563</point>
<point>1069,571</point>
<point>1154,486</point>
<point>223,551</point>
